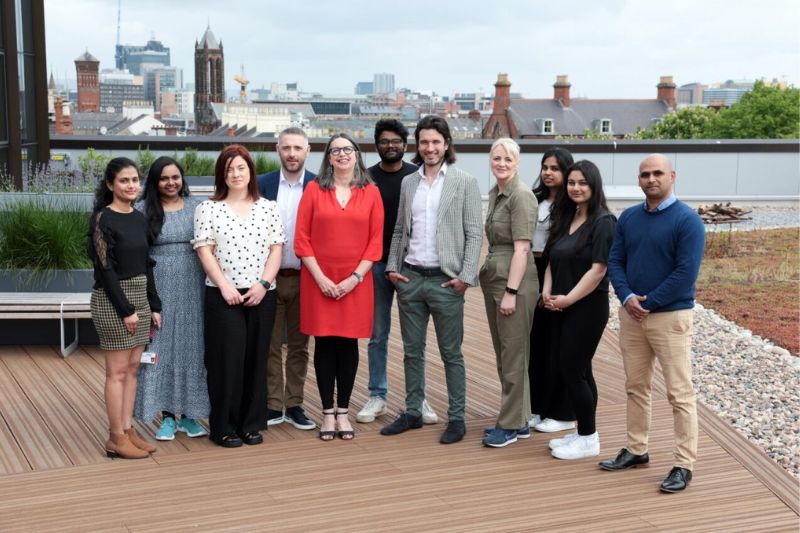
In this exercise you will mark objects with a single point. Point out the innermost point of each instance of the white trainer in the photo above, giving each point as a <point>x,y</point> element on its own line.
<point>428,414</point>
<point>535,420</point>
<point>375,406</point>
<point>580,447</point>
<point>566,439</point>
<point>549,425</point>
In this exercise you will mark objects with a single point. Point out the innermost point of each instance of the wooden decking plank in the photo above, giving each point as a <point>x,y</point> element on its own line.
<point>68,430</point>
<point>31,432</point>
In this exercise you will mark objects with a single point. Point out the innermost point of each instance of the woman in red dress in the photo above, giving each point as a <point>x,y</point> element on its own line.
<point>338,236</point>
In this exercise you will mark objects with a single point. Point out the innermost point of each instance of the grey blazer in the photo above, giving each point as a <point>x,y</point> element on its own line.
<point>459,233</point>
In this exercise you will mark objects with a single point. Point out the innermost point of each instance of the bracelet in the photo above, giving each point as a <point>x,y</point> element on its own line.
<point>509,290</point>
<point>358,276</point>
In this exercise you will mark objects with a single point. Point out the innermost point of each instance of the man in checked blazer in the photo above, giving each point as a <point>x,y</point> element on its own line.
<point>432,261</point>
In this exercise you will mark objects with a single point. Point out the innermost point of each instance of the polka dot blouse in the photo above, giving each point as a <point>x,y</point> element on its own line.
<point>241,245</point>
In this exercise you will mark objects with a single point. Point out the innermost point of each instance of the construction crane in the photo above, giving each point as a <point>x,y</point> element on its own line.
<point>242,81</point>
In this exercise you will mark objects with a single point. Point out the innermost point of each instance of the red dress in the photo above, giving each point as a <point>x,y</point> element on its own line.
<point>339,238</point>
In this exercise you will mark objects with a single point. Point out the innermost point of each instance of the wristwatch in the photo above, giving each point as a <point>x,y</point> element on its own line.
<point>509,290</point>
<point>266,284</point>
<point>358,276</point>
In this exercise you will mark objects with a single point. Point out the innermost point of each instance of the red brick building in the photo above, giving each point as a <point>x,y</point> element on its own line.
<point>87,67</point>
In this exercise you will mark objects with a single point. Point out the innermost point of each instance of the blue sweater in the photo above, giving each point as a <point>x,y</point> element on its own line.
<point>657,254</point>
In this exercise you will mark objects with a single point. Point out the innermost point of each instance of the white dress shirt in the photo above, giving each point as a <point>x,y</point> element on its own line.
<point>422,248</point>
<point>288,199</point>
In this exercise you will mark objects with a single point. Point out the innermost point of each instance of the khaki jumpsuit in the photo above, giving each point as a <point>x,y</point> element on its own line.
<point>512,215</point>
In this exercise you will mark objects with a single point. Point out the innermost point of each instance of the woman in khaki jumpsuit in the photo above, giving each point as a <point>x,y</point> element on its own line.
<point>510,290</point>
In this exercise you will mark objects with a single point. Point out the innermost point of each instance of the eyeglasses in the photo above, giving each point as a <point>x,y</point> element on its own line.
<point>346,150</point>
<point>383,143</point>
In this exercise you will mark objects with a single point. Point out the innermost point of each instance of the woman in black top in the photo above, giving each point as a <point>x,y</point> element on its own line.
<point>576,291</point>
<point>124,302</point>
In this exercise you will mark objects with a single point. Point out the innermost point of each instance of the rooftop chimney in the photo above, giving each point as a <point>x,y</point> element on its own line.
<point>561,90</point>
<point>498,124</point>
<point>666,91</point>
<point>502,94</point>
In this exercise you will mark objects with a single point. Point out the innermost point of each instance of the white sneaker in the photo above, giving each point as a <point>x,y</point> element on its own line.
<point>535,420</point>
<point>375,406</point>
<point>428,414</point>
<point>579,448</point>
<point>549,425</point>
<point>566,439</point>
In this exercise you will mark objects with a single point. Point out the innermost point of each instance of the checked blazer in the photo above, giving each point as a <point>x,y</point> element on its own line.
<point>459,228</point>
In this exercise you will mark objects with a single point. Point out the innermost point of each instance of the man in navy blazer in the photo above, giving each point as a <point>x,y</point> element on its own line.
<point>285,187</point>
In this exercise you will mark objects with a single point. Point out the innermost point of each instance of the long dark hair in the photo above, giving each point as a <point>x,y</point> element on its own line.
<point>361,177</point>
<point>564,208</point>
<point>563,160</point>
<point>103,196</point>
<point>226,156</point>
<point>153,210</point>
<point>433,122</point>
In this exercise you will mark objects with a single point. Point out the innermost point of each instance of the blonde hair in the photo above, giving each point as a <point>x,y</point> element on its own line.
<point>509,145</point>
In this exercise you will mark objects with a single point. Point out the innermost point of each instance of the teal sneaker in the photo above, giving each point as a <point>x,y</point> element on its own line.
<point>167,429</point>
<point>192,428</point>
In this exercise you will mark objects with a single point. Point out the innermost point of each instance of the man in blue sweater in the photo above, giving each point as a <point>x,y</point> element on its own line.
<point>653,266</point>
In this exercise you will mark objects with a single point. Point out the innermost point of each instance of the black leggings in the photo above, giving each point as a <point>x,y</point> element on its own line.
<point>577,331</point>
<point>335,364</point>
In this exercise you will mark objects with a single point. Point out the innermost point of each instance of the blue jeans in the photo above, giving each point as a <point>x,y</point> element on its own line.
<point>377,351</point>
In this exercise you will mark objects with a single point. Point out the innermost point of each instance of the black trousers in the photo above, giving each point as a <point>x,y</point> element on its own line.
<point>237,341</point>
<point>335,365</point>
<point>548,394</point>
<point>576,333</point>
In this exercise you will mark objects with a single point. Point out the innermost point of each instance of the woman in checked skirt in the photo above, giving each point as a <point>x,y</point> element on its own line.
<point>124,301</point>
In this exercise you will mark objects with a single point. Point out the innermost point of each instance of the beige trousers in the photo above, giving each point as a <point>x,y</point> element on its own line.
<point>287,393</point>
<point>667,337</point>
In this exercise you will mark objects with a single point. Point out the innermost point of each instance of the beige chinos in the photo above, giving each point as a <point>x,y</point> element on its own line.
<point>511,216</point>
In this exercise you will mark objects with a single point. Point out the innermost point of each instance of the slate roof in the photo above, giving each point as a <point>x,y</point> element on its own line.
<point>209,40</point>
<point>86,56</point>
<point>626,115</point>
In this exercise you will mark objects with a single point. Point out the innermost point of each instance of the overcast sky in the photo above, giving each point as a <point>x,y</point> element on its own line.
<point>609,48</point>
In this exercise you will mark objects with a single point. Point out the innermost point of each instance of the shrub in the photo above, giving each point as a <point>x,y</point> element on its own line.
<point>195,164</point>
<point>93,164</point>
<point>38,235</point>
<point>144,159</point>
<point>265,164</point>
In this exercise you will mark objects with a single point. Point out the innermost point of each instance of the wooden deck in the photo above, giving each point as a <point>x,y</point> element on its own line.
<point>55,476</point>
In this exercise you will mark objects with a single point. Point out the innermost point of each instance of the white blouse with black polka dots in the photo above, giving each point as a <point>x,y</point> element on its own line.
<point>241,245</point>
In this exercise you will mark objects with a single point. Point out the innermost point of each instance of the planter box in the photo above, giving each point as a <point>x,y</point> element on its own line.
<point>55,281</point>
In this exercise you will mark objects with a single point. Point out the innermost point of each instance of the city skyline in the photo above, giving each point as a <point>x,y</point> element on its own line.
<point>614,50</point>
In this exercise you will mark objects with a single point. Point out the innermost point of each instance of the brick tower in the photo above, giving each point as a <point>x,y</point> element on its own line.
<point>87,67</point>
<point>209,81</point>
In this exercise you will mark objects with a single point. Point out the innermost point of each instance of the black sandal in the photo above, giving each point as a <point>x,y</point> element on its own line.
<point>327,436</point>
<point>344,434</point>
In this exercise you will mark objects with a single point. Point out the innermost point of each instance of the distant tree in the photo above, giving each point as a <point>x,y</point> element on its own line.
<point>685,123</point>
<point>765,112</point>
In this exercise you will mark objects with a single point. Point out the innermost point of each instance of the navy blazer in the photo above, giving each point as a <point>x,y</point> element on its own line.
<point>268,183</point>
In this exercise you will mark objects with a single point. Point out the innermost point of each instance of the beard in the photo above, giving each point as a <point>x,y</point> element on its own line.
<point>390,156</point>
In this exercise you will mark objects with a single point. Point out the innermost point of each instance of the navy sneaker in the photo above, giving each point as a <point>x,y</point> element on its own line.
<point>297,417</point>
<point>498,437</point>
<point>274,417</point>
<point>524,433</point>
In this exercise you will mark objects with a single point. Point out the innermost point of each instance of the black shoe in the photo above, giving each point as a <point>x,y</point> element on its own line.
<point>254,437</point>
<point>274,417</point>
<point>623,460</point>
<point>403,422</point>
<point>297,417</point>
<point>229,441</point>
<point>677,480</point>
<point>455,432</point>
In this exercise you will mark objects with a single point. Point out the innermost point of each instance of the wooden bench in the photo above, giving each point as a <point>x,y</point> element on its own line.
<point>48,305</point>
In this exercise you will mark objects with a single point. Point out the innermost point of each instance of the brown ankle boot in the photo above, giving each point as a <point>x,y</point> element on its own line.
<point>138,441</point>
<point>119,445</point>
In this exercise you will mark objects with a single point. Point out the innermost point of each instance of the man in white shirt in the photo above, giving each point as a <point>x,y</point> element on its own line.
<point>285,186</point>
<point>433,260</point>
